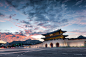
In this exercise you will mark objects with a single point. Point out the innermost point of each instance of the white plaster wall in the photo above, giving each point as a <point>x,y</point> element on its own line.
<point>36,46</point>
<point>62,43</point>
<point>76,43</point>
<point>65,43</point>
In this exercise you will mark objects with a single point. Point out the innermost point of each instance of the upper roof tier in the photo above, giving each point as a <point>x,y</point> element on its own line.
<point>54,32</point>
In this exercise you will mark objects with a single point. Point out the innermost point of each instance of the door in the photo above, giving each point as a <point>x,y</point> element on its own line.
<point>57,44</point>
<point>46,45</point>
<point>51,45</point>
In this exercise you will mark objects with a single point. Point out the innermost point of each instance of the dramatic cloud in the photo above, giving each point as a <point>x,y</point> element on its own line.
<point>25,22</point>
<point>42,16</point>
<point>41,10</point>
<point>2,15</point>
<point>79,2</point>
<point>1,4</point>
<point>46,14</point>
<point>16,19</point>
<point>76,33</point>
<point>12,15</point>
<point>9,37</point>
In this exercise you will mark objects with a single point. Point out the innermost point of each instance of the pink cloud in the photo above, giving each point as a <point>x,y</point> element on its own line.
<point>12,37</point>
<point>2,21</point>
<point>28,31</point>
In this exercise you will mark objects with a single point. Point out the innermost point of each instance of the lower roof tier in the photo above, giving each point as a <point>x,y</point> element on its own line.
<point>55,37</point>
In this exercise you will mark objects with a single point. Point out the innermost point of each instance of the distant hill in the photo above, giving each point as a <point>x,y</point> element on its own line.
<point>27,42</point>
<point>81,37</point>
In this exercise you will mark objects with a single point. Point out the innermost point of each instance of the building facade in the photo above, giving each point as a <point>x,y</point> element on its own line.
<point>57,39</point>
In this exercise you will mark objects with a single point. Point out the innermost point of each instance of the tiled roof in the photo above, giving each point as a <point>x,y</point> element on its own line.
<point>53,32</point>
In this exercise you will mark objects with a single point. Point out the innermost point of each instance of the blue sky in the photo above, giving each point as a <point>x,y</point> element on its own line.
<point>36,17</point>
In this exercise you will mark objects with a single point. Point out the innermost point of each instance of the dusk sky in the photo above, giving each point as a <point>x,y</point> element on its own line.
<point>28,19</point>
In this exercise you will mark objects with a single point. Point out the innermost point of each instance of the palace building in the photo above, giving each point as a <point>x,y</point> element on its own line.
<point>57,39</point>
<point>54,35</point>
